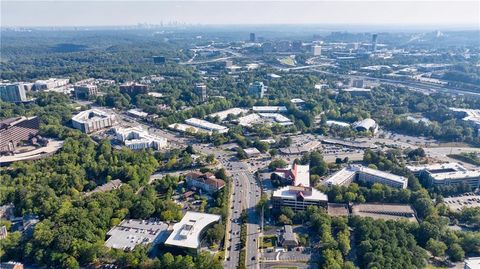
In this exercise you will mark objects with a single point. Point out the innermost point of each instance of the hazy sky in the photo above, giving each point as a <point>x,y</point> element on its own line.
<point>89,13</point>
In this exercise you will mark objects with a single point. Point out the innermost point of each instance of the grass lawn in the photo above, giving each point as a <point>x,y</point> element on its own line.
<point>268,241</point>
<point>429,266</point>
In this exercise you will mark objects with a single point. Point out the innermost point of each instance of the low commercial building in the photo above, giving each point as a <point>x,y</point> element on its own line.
<point>277,118</point>
<point>338,123</point>
<point>355,92</point>
<point>188,234</point>
<point>132,232</point>
<point>252,152</point>
<point>366,125</point>
<point>136,138</point>
<point>208,126</point>
<point>469,115</point>
<point>85,91</point>
<point>92,120</point>
<point>296,150</point>
<point>222,115</point>
<point>384,211</point>
<point>138,113</point>
<point>297,175</point>
<point>288,238</point>
<point>367,175</point>
<point>207,182</point>
<point>249,120</point>
<point>447,174</point>
<point>15,130</point>
<point>298,198</point>
<point>270,109</point>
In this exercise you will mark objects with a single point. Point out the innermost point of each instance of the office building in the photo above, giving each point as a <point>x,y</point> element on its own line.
<point>188,234</point>
<point>288,239</point>
<point>133,88</point>
<point>50,84</point>
<point>364,174</point>
<point>317,50</point>
<point>85,91</point>
<point>252,37</point>
<point>257,89</point>
<point>297,175</point>
<point>366,125</point>
<point>136,139</point>
<point>201,90</point>
<point>138,113</point>
<point>298,198</point>
<point>205,125</point>
<point>133,232</point>
<point>448,174</point>
<point>374,42</point>
<point>297,46</point>
<point>12,92</point>
<point>207,182</point>
<point>357,83</point>
<point>159,59</point>
<point>92,120</point>
<point>15,130</point>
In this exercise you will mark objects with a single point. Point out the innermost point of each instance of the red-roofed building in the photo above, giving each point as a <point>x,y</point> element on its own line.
<point>204,181</point>
<point>298,175</point>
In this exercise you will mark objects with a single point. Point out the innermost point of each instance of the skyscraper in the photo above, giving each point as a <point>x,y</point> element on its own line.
<point>201,90</point>
<point>252,37</point>
<point>374,42</point>
<point>316,50</point>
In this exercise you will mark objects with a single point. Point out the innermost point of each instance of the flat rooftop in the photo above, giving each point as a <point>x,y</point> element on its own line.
<point>206,125</point>
<point>384,211</point>
<point>222,115</point>
<point>302,178</point>
<point>445,171</point>
<point>132,232</point>
<point>186,233</point>
<point>279,109</point>
<point>291,192</point>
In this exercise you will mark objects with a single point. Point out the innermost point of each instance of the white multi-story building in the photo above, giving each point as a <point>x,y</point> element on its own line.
<point>92,120</point>
<point>50,84</point>
<point>368,175</point>
<point>203,124</point>
<point>447,174</point>
<point>298,198</point>
<point>136,138</point>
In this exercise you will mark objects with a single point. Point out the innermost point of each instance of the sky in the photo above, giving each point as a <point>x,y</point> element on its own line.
<point>354,12</point>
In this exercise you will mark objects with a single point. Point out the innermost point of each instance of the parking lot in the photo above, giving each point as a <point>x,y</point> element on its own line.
<point>456,203</point>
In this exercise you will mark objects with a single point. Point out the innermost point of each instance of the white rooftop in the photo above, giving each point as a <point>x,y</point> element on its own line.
<point>186,233</point>
<point>297,101</point>
<point>91,115</point>
<point>292,191</point>
<point>270,109</point>
<point>366,123</point>
<point>251,151</point>
<point>349,171</point>
<point>206,125</point>
<point>339,123</point>
<point>222,115</point>
<point>302,177</point>
<point>355,89</point>
<point>277,117</point>
<point>248,120</point>
<point>445,171</point>
<point>137,113</point>
<point>130,233</point>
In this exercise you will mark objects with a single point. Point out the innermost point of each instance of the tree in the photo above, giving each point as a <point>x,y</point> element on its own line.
<point>284,219</point>
<point>277,163</point>
<point>437,248</point>
<point>456,253</point>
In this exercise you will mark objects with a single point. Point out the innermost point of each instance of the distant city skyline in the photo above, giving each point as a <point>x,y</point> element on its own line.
<point>116,13</point>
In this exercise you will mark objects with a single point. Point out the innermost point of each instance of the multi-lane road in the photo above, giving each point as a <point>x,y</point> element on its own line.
<point>246,193</point>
